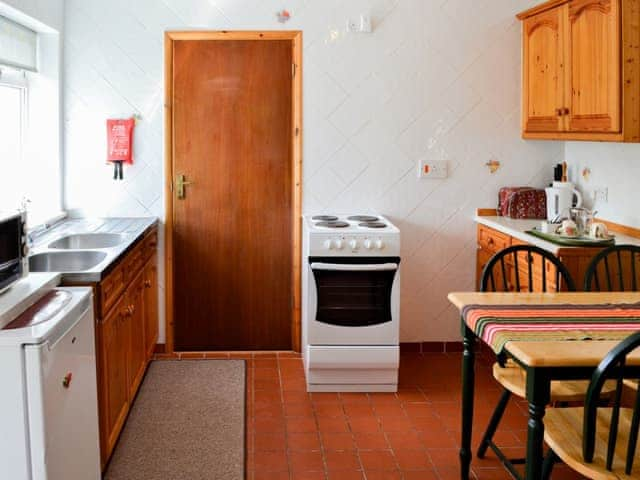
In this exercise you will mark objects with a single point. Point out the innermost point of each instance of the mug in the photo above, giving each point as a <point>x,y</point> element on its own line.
<point>598,230</point>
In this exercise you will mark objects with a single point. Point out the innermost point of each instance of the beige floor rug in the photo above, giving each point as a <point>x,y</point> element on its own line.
<point>187,422</point>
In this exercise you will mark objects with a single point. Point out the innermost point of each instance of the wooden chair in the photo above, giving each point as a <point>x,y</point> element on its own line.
<point>614,269</point>
<point>598,441</point>
<point>523,268</point>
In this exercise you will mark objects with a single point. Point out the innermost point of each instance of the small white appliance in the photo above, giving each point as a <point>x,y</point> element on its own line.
<point>560,199</point>
<point>48,405</point>
<point>351,303</point>
<point>14,263</point>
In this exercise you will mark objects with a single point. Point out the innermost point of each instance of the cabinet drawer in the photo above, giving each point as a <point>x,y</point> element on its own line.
<point>491,240</point>
<point>150,245</point>
<point>111,288</point>
<point>133,262</point>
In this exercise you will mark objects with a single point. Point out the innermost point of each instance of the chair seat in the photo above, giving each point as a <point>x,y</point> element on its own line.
<point>514,378</point>
<point>563,433</point>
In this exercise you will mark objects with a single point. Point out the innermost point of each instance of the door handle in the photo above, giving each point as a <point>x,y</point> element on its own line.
<point>180,184</point>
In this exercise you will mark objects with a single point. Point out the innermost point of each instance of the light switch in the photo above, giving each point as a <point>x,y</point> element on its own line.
<point>432,169</point>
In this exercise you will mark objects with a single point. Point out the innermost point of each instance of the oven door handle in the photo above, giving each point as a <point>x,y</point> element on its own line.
<point>350,267</point>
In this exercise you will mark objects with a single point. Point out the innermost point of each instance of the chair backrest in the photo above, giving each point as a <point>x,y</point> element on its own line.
<point>614,366</point>
<point>527,260</point>
<point>614,269</point>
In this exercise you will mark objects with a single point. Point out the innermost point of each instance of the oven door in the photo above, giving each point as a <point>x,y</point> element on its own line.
<point>354,301</point>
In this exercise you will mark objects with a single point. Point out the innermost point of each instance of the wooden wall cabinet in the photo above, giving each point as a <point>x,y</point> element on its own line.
<point>581,70</point>
<point>126,310</point>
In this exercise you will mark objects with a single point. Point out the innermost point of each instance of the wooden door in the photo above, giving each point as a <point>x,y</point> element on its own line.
<point>594,56</point>
<point>151,305</point>
<point>137,339</point>
<point>113,363</point>
<point>543,71</point>
<point>233,232</point>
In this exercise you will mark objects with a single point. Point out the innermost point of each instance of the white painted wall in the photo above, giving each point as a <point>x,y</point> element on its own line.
<point>436,79</point>
<point>615,166</point>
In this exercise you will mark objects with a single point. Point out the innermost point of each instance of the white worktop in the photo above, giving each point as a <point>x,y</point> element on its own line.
<point>516,228</point>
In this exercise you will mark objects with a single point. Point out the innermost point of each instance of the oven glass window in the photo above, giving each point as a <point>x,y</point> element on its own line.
<point>354,298</point>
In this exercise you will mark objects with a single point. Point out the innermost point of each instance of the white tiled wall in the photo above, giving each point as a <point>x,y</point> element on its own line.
<point>436,79</point>
<point>614,166</point>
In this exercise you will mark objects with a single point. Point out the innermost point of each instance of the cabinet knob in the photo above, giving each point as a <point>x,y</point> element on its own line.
<point>147,283</point>
<point>565,111</point>
<point>559,112</point>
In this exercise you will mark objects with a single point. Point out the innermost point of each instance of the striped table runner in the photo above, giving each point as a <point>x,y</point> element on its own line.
<point>498,324</point>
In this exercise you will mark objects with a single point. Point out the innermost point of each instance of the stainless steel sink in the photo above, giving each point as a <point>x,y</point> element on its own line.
<point>65,261</point>
<point>84,241</point>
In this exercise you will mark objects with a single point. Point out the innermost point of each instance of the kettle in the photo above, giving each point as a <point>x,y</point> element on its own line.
<point>560,199</point>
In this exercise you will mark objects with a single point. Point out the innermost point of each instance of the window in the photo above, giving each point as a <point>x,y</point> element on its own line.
<point>13,94</point>
<point>30,122</point>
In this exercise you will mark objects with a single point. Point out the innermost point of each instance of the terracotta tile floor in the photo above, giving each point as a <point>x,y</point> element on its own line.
<point>413,434</point>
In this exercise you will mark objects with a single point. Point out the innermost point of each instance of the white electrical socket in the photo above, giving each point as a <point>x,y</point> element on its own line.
<point>601,194</point>
<point>432,169</point>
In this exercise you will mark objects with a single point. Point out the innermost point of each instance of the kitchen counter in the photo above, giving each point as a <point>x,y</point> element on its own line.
<point>132,230</point>
<point>517,228</point>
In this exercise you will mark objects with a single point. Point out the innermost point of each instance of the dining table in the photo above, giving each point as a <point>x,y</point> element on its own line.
<point>552,336</point>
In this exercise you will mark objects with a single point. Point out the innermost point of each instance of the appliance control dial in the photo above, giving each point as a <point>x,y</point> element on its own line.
<point>379,244</point>
<point>339,244</point>
<point>353,244</point>
<point>328,244</point>
<point>368,244</point>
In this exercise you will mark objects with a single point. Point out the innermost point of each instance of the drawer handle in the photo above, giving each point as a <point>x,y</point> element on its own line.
<point>66,381</point>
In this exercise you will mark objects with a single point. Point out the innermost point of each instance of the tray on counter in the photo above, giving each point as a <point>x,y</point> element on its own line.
<point>573,241</point>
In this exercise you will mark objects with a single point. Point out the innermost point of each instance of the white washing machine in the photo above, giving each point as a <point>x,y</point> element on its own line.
<point>48,404</point>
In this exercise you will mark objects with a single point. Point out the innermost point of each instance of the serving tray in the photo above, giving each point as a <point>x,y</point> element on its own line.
<point>573,241</point>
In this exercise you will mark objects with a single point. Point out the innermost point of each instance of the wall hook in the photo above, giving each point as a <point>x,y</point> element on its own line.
<point>494,165</point>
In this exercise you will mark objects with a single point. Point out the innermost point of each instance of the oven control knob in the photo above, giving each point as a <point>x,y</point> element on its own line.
<point>339,244</point>
<point>379,244</point>
<point>328,244</point>
<point>353,244</point>
<point>368,244</point>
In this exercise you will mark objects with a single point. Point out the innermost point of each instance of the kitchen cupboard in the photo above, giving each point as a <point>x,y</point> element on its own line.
<point>491,241</point>
<point>581,70</point>
<point>126,310</point>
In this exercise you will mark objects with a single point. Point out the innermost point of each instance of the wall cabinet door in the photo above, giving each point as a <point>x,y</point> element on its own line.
<point>543,57</point>
<point>115,383</point>
<point>594,53</point>
<point>137,344</point>
<point>151,304</point>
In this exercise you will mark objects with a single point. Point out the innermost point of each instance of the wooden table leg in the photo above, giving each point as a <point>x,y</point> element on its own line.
<point>468,378</point>
<point>538,395</point>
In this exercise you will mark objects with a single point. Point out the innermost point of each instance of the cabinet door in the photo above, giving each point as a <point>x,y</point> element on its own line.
<point>137,341</point>
<point>594,76</point>
<point>114,381</point>
<point>543,71</point>
<point>151,304</point>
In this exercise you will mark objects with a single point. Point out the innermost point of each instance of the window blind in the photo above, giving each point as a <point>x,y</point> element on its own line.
<point>18,45</point>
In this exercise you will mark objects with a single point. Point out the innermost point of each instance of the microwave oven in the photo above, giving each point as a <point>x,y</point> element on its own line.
<point>14,262</point>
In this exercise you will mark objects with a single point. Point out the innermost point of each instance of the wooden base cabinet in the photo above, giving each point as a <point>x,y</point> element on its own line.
<point>126,334</point>
<point>581,70</point>
<point>490,241</point>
